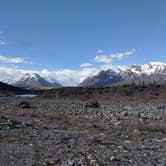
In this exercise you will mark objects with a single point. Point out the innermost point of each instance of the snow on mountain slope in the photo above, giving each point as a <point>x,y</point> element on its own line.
<point>134,73</point>
<point>149,68</point>
<point>33,80</point>
<point>114,75</point>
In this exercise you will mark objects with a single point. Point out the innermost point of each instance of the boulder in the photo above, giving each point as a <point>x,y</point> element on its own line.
<point>24,104</point>
<point>93,104</point>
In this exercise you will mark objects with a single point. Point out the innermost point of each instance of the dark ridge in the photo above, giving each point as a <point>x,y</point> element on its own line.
<point>6,89</point>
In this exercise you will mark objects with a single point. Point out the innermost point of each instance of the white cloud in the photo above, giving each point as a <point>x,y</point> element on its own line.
<point>2,43</point>
<point>122,55</point>
<point>13,60</point>
<point>100,51</point>
<point>11,74</point>
<point>67,76</point>
<point>103,58</point>
<point>106,67</point>
<point>86,65</point>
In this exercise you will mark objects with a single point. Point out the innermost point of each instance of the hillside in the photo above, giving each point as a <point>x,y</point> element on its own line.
<point>33,80</point>
<point>6,89</point>
<point>147,73</point>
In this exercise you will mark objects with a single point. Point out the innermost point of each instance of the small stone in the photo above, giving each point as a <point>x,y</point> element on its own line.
<point>112,158</point>
<point>136,131</point>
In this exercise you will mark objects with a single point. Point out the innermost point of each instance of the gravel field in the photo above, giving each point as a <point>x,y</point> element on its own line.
<point>43,131</point>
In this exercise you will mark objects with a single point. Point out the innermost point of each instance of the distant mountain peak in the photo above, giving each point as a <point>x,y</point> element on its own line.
<point>34,80</point>
<point>30,76</point>
<point>157,63</point>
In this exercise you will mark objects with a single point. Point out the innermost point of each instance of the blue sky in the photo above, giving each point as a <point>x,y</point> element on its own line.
<point>63,34</point>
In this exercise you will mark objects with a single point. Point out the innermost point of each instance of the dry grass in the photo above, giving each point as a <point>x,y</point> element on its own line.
<point>8,137</point>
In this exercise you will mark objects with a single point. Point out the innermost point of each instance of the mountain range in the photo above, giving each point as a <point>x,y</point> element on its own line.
<point>147,73</point>
<point>114,75</point>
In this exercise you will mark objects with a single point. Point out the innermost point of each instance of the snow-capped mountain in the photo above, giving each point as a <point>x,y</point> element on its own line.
<point>149,68</point>
<point>150,72</point>
<point>33,80</point>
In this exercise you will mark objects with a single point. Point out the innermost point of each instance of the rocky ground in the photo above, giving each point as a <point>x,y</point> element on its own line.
<point>42,131</point>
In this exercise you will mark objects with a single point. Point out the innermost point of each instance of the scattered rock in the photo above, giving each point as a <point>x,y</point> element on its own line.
<point>93,104</point>
<point>136,132</point>
<point>62,132</point>
<point>24,104</point>
<point>9,124</point>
